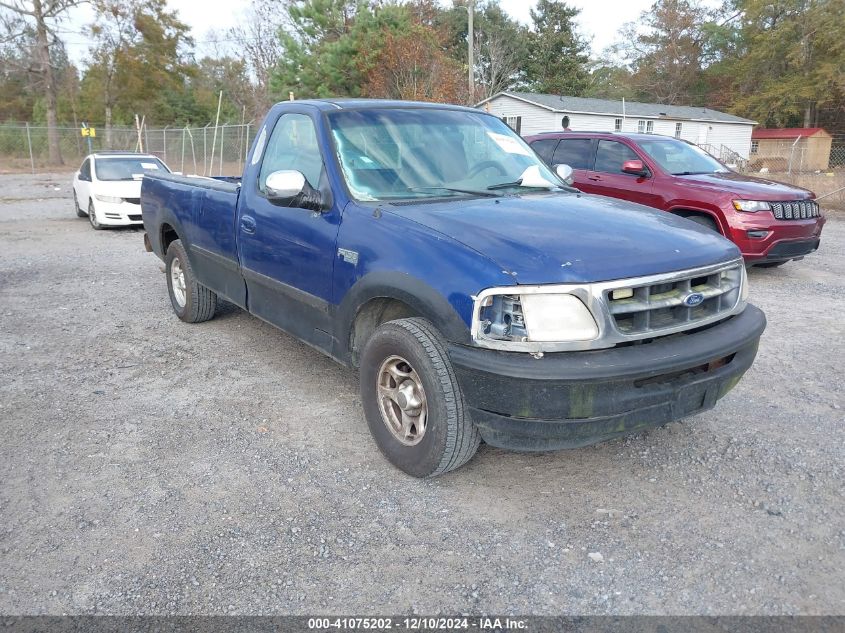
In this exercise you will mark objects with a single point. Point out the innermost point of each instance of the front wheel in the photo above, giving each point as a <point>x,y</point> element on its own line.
<point>92,217</point>
<point>192,302</point>
<point>412,400</point>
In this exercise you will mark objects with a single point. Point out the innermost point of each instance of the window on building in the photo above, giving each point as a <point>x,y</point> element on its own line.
<point>755,145</point>
<point>649,127</point>
<point>514,123</point>
<point>678,129</point>
<point>641,126</point>
<point>617,125</point>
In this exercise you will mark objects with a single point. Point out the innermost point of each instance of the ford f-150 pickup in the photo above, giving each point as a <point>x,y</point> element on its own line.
<point>478,295</point>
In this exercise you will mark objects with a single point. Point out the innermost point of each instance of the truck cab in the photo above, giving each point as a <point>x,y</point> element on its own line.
<point>480,297</point>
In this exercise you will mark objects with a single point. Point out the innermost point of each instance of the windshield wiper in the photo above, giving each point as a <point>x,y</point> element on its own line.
<point>506,185</point>
<point>473,192</point>
<point>692,173</point>
<point>518,183</point>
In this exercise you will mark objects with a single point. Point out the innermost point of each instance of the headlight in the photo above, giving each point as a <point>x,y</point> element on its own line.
<point>535,318</point>
<point>751,206</point>
<point>103,198</point>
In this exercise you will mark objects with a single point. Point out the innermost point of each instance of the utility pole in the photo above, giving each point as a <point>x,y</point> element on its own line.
<point>470,40</point>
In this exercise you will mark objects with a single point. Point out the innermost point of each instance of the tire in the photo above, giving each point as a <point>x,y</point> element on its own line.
<point>704,220</point>
<point>192,302</point>
<point>92,217</point>
<point>771,264</point>
<point>447,438</point>
<point>79,212</point>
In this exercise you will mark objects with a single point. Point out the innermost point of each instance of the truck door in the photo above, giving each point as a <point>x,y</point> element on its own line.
<point>287,253</point>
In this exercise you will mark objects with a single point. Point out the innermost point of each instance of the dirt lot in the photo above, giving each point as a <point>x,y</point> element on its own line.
<point>149,466</point>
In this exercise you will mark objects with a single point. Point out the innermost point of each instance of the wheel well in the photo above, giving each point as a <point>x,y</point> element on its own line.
<point>686,213</point>
<point>168,235</point>
<point>371,315</point>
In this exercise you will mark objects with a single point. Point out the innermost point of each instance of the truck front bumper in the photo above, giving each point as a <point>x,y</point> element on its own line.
<point>572,399</point>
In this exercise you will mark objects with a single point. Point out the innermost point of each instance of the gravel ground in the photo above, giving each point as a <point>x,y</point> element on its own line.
<point>153,467</point>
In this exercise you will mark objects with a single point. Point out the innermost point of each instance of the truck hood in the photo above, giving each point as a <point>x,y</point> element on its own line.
<point>747,187</point>
<point>568,238</point>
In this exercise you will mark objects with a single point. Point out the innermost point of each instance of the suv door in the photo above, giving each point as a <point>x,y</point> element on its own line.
<point>287,253</point>
<point>578,154</point>
<point>606,177</point>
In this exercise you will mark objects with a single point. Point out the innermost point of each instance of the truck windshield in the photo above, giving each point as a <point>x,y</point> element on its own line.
<point>414,153</point>
<point>127,167</point>
<point>681,159</point>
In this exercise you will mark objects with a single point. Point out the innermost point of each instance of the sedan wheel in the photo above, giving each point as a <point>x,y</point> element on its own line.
<point>92,217</point>
<point>79,212</point>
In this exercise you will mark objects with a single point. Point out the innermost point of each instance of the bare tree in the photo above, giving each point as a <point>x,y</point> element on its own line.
<point>41,15</point>
<point>499,62</point>
<point>257,41</point>
<point>112,33</point>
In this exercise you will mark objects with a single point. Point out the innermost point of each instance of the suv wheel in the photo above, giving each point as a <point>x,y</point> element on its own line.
<point>412,401</point>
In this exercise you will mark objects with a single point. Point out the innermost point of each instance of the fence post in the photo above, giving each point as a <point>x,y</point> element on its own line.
<point>182,168</point>
<point>246,146</point>
<point>222,133</point>
<point>29,142</point>
<point>164,141</point>
<point>205,150</point>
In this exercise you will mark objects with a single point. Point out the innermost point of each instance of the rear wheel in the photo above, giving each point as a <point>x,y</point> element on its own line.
<point>92,217</point>
<point>412,401</point>
<point>79,212</point>
<point>192,302</point>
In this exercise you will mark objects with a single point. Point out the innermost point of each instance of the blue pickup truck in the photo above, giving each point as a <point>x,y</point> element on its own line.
<point>479,296</point>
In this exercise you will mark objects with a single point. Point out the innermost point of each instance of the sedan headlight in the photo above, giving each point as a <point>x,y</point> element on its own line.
<point>535,318</point>
<point>751,206</point>
<point>112,199</point>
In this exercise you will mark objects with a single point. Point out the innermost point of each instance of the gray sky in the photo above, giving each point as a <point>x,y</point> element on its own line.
<point>599,20</point>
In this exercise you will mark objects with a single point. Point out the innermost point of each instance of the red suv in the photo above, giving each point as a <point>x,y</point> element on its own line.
<point>771,223</point>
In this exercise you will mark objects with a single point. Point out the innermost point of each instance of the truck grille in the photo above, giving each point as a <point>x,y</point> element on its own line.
<point>796,209</point>
<point>676,304</point>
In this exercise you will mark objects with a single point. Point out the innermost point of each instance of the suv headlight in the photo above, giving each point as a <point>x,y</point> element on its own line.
<point>534,318</point>
<point>751,206</point>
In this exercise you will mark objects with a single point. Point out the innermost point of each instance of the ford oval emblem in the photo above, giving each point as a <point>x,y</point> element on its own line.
<point>693,299</point>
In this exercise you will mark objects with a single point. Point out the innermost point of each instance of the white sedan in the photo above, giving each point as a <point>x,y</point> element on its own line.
<point>107,187</point>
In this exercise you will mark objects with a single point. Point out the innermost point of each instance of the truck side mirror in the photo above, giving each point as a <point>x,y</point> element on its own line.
<point>564,172</point>
<point>283,185</point>
<point>290,188</point>
<point>634,167</point>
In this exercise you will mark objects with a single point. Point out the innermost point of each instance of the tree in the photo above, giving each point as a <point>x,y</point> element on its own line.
<point>412,65</point>
<point>258,43</point>
<point>789,60</point>
<point>557,60</point>
<point>41,16</point>
<point>665,51</point>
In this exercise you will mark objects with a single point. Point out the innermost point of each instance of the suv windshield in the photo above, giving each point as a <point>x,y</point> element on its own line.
<point>126,167</point>
<point>413,153</point>
<point>679,158</point>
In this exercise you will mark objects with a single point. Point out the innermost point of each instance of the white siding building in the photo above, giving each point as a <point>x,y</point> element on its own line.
<point>723,135</point>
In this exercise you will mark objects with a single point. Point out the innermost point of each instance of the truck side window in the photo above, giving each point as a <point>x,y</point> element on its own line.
<point>545,148</point>
<point>293,145</point>
<point>610,156</point>
<point>575,152</point>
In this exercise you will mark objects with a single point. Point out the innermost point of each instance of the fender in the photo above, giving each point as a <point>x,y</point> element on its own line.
<point>422,298</point>
<point>717,217</point>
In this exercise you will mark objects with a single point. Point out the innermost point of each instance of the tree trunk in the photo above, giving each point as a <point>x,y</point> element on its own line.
<point>43,46</point>
<point>108,127</point>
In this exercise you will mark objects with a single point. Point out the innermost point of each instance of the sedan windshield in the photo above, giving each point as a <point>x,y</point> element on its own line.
<point>127,167</point>
<point>414,153</point>
<point>681,159</point>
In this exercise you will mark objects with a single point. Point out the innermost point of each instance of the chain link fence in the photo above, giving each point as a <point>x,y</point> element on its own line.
<point>208,151</point>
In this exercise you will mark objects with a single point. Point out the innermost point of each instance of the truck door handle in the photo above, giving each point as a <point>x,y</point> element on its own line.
<point>248,224</point>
